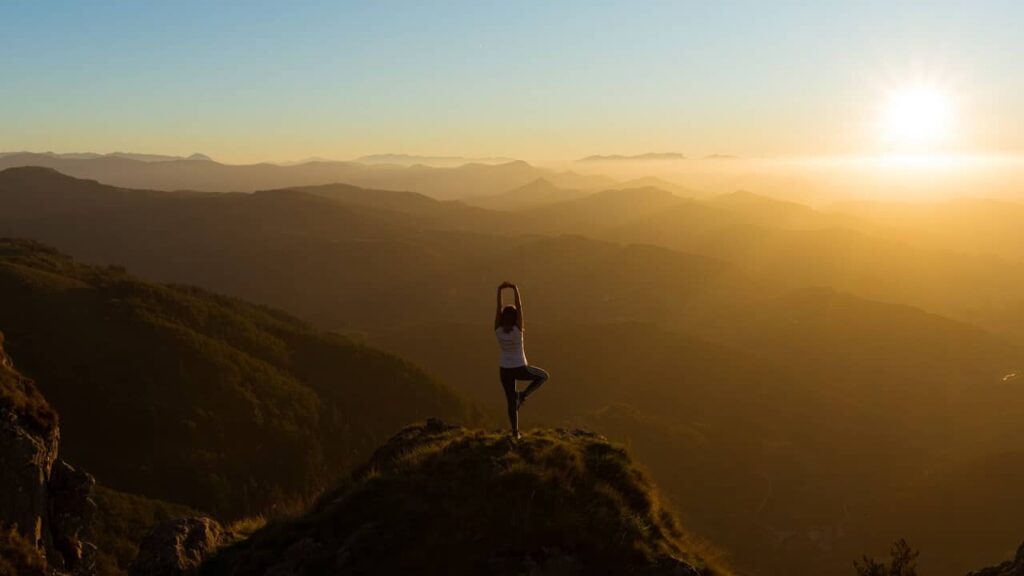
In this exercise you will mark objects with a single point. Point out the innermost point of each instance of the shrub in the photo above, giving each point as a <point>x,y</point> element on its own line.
<point>902,562</point>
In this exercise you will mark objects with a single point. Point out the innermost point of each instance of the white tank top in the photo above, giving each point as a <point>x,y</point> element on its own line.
<point>511,344</point>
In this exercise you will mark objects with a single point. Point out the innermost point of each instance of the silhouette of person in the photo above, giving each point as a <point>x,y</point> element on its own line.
<point>513,367</point>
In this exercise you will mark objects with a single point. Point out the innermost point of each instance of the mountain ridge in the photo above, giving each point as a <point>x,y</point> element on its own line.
<point>205,175</point>
<point>648,156</point>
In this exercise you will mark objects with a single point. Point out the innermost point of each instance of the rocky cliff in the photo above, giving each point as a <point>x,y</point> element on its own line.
<point>44,499</point>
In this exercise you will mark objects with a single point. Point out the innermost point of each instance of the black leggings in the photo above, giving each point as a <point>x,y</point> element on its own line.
<point>509,376</point>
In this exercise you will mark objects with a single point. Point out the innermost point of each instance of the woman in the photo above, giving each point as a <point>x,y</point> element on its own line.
<point>508,326</point>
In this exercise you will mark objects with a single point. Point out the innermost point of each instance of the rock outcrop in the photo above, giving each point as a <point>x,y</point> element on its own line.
<point>26,460</point>
<point>441,499</point>
<point>45,499</point>
<point>1013,567</point>
<point>178,547</point>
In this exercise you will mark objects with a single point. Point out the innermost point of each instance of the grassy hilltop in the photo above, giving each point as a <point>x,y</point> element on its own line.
<point>459,501</point>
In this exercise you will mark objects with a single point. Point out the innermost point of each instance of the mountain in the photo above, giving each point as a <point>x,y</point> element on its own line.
<point>662,184</point>
<point>32,192</point>
<point>472,180</point>
<point>977,226</point>
<point>356,259</point>
<point>177,393</point>
<point>414,209</point>
<point>540,192</point>
<point>605,209</point>
<point>125,155</point>
<point>765,211</point>
<point>412,160</point>
<point>650,156</point>
<point>783,419</point>
<point>201,174</point>
<point>460,501</point>
<point>793,246</point>
<point>158,157</point>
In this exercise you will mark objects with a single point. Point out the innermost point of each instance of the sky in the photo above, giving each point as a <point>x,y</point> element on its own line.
<point>543,81</point>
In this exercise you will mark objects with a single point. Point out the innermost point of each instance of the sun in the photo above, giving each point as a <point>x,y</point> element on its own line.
<point>917,118</point>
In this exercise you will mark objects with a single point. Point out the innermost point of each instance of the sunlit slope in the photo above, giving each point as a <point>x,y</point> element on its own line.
<point>460,501</point>
<point>982,494</point>
<point>789,246</point>
<point>181,394</point>
<point>975,226</point>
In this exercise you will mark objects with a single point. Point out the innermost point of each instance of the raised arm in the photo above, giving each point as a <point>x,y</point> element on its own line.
<point>519,306</point>
<point>497,310</point>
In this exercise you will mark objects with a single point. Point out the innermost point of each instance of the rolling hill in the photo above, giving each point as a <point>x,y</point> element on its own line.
<point>177,393</point>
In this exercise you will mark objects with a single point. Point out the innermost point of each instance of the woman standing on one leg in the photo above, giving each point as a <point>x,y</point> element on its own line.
<point>508,326</point>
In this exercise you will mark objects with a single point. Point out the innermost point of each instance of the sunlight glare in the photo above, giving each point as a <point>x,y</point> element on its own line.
<point>917,118</point>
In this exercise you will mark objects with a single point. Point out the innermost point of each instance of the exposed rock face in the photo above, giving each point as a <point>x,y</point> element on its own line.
<point>1013,567</point>
<point>178,547</point>
<point>47,500</point>
<point>70,512</point>
<point>26,461</point>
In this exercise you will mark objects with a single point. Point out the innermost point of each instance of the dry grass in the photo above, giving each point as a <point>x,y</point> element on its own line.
<point>18,557</point>
<point>20,395</point>
<point>452,500</point>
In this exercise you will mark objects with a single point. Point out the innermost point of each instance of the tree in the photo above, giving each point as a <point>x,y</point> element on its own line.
<point>903,562</point>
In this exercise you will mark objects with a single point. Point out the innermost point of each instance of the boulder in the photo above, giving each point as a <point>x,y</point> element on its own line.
<point>177,547</point>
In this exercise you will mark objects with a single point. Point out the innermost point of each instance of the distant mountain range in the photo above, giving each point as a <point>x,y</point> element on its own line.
<point>412,160</point>
<point>637,157</point>
<point>126,155</point>
<point>204,175</point>
<point>540,192</point>
<point>652,156</point>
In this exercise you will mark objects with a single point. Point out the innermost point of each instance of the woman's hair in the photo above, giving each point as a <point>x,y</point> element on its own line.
<point>509,316</point>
